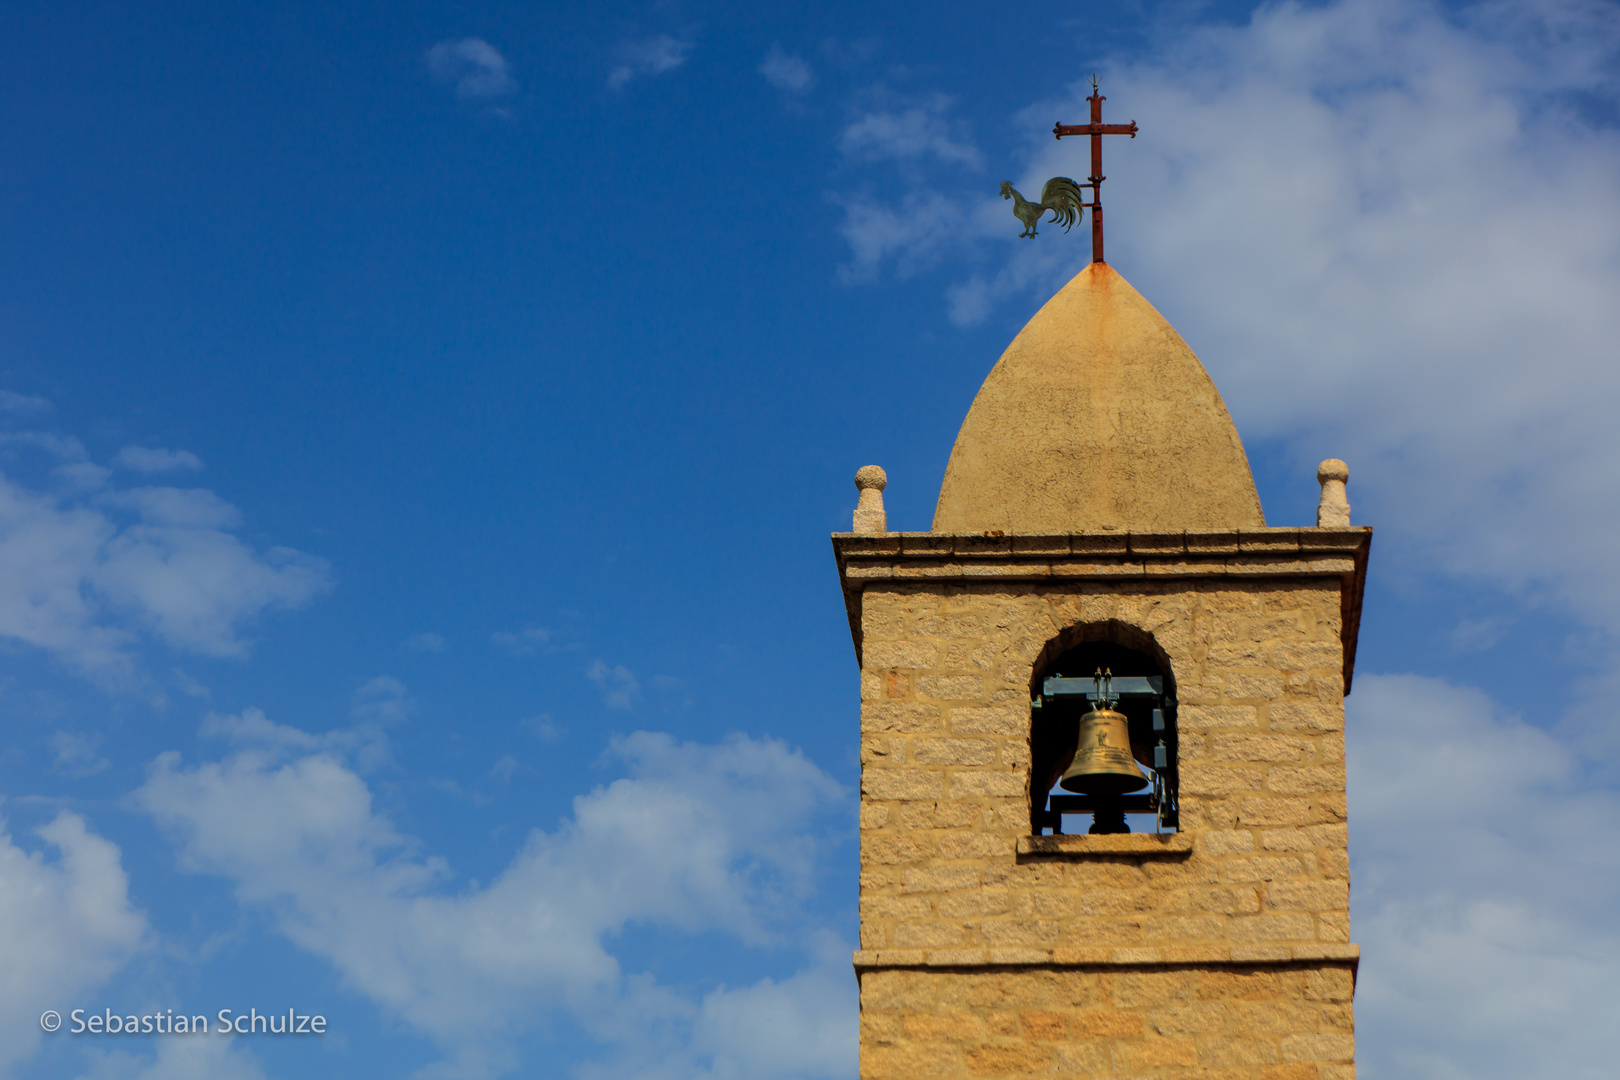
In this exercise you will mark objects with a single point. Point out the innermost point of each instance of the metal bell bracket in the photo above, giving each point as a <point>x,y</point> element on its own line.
<point>1119,686</point>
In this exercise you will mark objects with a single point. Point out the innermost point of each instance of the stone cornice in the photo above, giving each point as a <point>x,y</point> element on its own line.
<point>961,558</point>
<point>1199,955</point>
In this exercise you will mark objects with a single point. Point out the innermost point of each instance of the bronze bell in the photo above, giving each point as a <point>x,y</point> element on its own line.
<point>1103,763</point>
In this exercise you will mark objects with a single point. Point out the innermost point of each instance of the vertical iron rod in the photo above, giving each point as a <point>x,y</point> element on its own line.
<point>1096,100</point>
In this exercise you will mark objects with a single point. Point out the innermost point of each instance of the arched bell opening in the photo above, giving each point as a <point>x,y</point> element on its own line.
<point>1100,789</point>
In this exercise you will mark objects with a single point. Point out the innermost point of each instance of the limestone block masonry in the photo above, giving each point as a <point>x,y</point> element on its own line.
<point>1222,951</point>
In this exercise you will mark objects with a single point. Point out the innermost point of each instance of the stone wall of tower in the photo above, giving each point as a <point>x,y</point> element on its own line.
<point>1266,1022</point>
<point>945,775</point>
<point>1223,951</point>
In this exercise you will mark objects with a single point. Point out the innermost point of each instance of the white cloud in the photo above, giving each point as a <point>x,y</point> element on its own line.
<point>49,555</point>
<point>919,227</point>
<point>82,580</point>
<point>76,754</point>
<point>379,704</point>
<point>186,508</point>
<point>204,1057</point>
<point>620,688</point>
<point>1477,635</point>
<point>66,925</point>
<point>525,642</point>
<point>655,55</point>
<point>188,685</point>
<point>144,459</point>
<point>1484,890</point>
<point>695,838</point>
<point>181,574</point>
<point>474,66</point>
<point>545,728</point>
<point>907,129</point>
<point>916,234</point>
<point>382,700</point>
<point>23,404</point>
<point>65,447</point>
<point>81,476</point>
<point>251,726</point>
<point>798,1027</point>
<point>366,742</point>
<point>786,72</point>
<point>426,642</point>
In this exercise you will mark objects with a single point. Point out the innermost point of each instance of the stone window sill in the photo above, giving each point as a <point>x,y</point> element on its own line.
<point>1083,845</point>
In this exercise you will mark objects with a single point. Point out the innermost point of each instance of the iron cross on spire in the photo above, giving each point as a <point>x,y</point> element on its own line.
<point>1096,129</point>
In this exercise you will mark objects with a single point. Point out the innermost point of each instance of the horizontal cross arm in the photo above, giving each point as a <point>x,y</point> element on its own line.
<point>1061,130</point>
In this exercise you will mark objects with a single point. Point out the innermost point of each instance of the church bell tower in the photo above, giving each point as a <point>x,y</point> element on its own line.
<point>1099,548</point>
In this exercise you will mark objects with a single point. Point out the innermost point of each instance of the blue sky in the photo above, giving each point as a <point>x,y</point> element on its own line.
<point>420,428</point>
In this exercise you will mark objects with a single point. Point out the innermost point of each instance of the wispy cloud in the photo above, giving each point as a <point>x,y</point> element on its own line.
<point>907,213</point>
<point>619,687</point>
<point>365,741</point>
<point>426,642</point>
<point>76,754</point>
<point>23,404</point>
<point>253,727</point>
<point>177,571</point>
<point>383,701</point>
<point>545,728</point>
<point>787,73</point>
<point>525,642</point>
<point>894,127</point>
<point>143,459</point>
<point>915,233</point>
<point>63,447</point>
<point>177,1059</point>
<point>473,66</point>
<point>1478,635</point>
<point>694,839</point>
<point>648,56</point>
<point>188,685</point>
<point>88,574</point>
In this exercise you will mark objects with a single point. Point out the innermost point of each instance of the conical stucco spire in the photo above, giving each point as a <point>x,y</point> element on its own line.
<point>1097,416</point>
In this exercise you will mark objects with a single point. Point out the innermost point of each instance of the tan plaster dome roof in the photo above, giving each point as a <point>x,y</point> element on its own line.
<point>1097,416</point>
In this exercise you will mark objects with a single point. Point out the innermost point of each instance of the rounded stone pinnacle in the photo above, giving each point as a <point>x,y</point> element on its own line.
<point>870,476</point>
<point>1332,469</point>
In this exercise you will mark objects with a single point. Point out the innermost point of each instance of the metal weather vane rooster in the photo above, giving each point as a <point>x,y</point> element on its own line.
<point>1062,196</point>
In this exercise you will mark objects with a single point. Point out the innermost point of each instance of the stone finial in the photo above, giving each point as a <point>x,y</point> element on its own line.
<point>869,514</point>
<point>1333,512</point>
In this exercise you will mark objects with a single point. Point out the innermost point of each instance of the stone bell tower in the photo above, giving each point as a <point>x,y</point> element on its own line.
<point>1098,510</point>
